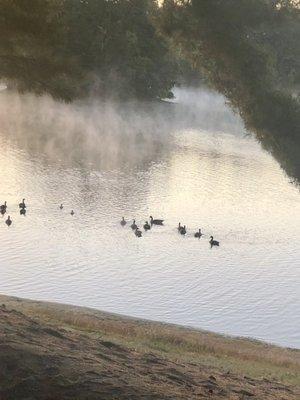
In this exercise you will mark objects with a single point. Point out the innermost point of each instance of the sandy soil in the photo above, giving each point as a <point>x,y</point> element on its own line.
<point>44,358</point>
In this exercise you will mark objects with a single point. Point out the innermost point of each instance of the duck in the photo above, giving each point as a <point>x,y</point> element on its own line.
<point>183,230</point>
<point>198,234</point>
<point>22,205</point>
<point>23,211</point>
<point>61,206</point>
<point>147,226</point>
<point>8,221</point>
<point>156,221</point>
<point>137,232</point>
<point>133,225</point>
<point>72,212</point>
<point>213,242</point>
<point>123,222</point>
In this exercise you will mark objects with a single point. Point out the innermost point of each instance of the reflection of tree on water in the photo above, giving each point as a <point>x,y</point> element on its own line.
<point>250,54</point>
<point>286,152</point>
<point>107,136</point>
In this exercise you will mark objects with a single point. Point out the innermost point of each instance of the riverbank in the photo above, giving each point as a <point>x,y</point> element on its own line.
<point>50,351</point>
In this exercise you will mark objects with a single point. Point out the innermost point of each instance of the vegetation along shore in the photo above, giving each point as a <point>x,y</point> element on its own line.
<point>55,351</point>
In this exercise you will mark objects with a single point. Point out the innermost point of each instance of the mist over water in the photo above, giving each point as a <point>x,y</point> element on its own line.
<point>105,132</point>
<point>189,161</point>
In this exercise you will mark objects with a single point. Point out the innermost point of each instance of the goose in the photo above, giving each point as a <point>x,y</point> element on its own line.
<point>22,205</point>
<point>8,221</point>
<point>3,208</point>
<point>137,232</point>
<point>156,221</point>
<point>183,230</point>
<point>123,222</point>
<point>61,206</point>
<point>179,227</point>
<point>147,226</point>
<point>133,225</point>
<point>198,234</point>
<point>72,212</point>
<point>23,211</point>
<point>213,242</point>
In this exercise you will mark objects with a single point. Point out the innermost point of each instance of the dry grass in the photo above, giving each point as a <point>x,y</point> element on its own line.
<point>44,355</point>
<point>247,357</point>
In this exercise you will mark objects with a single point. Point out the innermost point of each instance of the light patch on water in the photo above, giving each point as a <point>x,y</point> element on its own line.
<point>193,164</point>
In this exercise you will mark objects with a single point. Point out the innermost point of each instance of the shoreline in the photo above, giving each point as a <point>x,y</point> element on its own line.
<point>124,317</point>
<point>172,361</point>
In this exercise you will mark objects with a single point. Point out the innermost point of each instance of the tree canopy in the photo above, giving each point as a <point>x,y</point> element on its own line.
<point>69,48</point>
<point>247,50</point>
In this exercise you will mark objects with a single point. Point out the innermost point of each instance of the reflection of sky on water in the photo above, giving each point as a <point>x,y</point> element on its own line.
<point>210,177</point>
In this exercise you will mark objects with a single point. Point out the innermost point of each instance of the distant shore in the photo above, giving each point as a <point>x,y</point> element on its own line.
<point>56,350</point>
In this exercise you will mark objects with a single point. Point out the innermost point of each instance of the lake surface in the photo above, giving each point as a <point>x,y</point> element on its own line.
<point>190,162</point>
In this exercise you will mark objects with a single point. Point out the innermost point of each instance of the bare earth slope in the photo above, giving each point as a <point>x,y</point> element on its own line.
<point>51,351</point>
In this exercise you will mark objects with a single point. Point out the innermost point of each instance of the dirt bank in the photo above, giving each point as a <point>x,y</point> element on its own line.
<point>53,351</point>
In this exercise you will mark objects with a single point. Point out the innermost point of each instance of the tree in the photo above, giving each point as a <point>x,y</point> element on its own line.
<point>72,48</point>
<point>236,49</point>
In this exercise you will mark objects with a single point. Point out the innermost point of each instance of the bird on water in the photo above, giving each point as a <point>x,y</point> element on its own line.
<point>123,222</point>
<point>213,242</point>
<point>183,230</point>
<point>137,232</point>
<point>198,234</point>
<point>22,204</point>
<point>156,221</point>
<point>8,221</point>
<point>3,208</point>
<point>147,226</point>
<point>133,225</point>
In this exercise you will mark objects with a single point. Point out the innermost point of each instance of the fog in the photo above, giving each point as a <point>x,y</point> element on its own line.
<point>105,132</point>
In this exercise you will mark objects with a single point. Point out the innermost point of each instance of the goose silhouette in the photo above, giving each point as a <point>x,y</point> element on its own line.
<point>213,242</point>
<point>156,221</point>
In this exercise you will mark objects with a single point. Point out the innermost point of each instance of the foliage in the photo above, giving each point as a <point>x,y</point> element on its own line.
<point>248,50</point>
<point>238,48</point>
<point>71,48</point>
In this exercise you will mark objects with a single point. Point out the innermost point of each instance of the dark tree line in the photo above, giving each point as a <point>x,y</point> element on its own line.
<point>249,51</point>
<point>246,49</point>
<point>70,48</point>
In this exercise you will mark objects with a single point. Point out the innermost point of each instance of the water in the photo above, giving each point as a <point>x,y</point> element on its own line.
<point>198,167</point>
